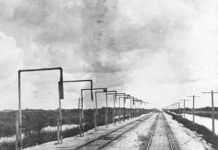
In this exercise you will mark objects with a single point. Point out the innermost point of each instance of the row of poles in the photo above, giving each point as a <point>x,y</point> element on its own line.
<point>116,96</point>
<point>177,106</point>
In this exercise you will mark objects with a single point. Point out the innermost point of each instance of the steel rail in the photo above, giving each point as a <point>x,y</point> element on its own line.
<point>168,137</point>
<point>151,132</point>
<point>131,125</point>
<point>171,138</point>
<point>173,144</point>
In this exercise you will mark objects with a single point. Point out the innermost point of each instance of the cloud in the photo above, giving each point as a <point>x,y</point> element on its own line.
<point>129,46</point>
<point>186,58</point>
<point>10,62</point>
<point>11,55</point>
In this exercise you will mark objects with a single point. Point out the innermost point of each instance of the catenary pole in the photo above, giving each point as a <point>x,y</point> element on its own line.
<point>61,96</point>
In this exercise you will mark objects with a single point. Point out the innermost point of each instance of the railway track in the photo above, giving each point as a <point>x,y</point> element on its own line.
<point>171,138</point>
<point>103,141</point>
<point>160,136</point>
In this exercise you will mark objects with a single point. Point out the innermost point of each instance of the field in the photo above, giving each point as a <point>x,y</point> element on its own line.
<point>35,120</point>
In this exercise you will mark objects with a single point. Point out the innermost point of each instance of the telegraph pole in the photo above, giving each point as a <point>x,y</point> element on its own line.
<point>184,106</point>
<point>212,101</point>
<point>193,106</point>
<point>178,107</point>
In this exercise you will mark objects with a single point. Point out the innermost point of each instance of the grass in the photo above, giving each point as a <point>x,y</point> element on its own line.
<point>205,132</point>
<point>7,146</point>
<point>39,118</point>
<point>142,137</point>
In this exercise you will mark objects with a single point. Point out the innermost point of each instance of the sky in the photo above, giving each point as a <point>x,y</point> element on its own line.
<point>158,51</point>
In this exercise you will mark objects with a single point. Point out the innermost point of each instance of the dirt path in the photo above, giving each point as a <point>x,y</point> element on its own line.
<point>160,140</point>
<point>138,138</point>
<point>134,138</point>
<point>187,139</point>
